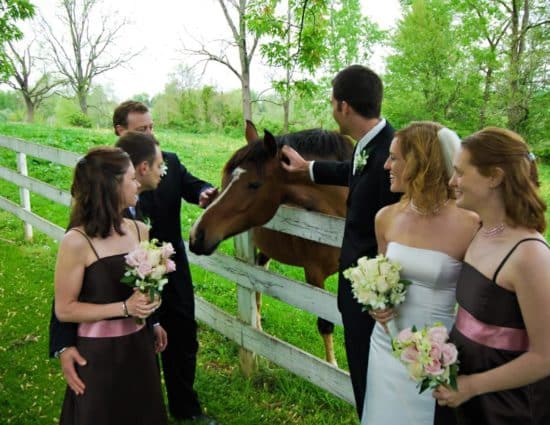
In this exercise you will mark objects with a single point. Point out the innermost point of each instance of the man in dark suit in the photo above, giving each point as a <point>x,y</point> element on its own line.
<point>356,104</point>
<point>176,315</point>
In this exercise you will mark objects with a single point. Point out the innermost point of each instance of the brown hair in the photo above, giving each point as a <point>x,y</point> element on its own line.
<point>425,172</point>
<point>120,115</point>
<point>96,191</point>
<point>498,147</point>
<point>140,146</point>
<point>361,88</point>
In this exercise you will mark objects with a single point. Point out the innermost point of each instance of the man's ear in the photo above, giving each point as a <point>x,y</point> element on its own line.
<point>142,168</point>
<point>119,129</point>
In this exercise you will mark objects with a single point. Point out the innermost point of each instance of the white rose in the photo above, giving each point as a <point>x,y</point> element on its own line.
<point>381,285</point>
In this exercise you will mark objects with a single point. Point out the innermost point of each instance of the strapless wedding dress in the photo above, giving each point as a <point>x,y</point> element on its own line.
<point>392,397</point>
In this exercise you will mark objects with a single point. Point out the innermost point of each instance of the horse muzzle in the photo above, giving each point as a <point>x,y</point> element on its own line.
<point>198,245</point>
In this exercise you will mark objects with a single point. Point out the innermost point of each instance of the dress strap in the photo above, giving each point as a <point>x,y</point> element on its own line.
<point>88,239</point>
<point>137,230</point>
<point>510,253</point>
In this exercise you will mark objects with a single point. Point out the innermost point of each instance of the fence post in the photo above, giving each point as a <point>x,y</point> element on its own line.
<point>24,194</point>
<point>246,299</point>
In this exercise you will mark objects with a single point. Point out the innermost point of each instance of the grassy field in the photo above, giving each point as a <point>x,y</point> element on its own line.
<point>31,385</point>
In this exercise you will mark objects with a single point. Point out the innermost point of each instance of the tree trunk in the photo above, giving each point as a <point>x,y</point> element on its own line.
<point>30,110</point>
<point>83,102</point>
<point>286,114</point>
<point>246,97</point>
<point>486,96</point>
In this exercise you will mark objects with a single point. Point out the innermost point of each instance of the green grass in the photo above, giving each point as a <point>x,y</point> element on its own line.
<point>31,385</point>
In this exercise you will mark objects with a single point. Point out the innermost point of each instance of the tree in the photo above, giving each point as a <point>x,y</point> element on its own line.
<point>431,74</point>
<point>235,12</point>
<point>296,32</point>
<point>85,54</point>
<point>22,65</point>
<point>11,11</point>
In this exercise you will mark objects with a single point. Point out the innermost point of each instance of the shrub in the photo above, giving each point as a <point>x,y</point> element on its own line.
<point>78,119</point>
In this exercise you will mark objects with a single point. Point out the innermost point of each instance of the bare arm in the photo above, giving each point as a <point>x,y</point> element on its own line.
<point>69,274</point>
<point>528,271</point>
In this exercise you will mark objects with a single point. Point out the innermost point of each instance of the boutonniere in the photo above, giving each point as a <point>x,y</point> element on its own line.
<point>361,160</point>
<point>163,169</point>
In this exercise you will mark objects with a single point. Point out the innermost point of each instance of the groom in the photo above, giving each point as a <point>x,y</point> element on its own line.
<point>356,104</point>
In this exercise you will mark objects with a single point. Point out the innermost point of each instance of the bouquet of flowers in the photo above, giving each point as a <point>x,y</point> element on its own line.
<point>147,266</point>
<point>376,283</point>
<point>430,359</point>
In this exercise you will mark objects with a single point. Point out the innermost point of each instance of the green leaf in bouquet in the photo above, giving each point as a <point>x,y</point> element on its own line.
<point>405,282</point>
<point>424,385</point>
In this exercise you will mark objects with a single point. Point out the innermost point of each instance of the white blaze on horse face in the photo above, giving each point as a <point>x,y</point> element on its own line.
<point>235,175</point>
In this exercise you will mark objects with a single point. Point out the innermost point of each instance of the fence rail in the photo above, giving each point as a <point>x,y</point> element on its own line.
<point>247,277</point>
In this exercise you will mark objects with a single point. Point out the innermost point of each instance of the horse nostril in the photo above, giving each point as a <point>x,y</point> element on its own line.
<point>196,244</point>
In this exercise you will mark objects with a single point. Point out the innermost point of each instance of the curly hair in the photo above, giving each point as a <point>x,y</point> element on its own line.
<point>96,191</point>
<point>425,165</point>
<point>495,147</point>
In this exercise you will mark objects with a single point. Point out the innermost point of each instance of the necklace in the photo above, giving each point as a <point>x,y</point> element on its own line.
<point>493,231</point>
<point>434,211</point>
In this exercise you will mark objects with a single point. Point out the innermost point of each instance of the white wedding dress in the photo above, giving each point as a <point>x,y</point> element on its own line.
<point>392,397</point>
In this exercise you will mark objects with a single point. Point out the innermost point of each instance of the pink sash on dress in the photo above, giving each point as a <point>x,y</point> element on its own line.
<point>493,336</point>
<point>109,328</point>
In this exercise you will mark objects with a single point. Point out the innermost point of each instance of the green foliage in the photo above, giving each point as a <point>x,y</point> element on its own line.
<point>11,11</point>
<point>78,119</point>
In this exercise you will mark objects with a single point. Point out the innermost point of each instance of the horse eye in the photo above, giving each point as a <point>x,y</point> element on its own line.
<point>254,185</point>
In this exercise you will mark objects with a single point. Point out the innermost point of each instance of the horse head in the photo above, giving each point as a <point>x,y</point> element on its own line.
<point>251,193</point>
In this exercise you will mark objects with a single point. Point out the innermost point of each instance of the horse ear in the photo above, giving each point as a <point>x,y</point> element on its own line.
<point>270,143</point>
<point>251,133</point>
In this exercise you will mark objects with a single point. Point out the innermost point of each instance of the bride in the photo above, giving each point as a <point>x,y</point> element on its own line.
<point>428,235</point>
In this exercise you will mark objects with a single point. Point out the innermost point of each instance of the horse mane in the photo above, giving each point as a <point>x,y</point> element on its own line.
<point>314,143</point>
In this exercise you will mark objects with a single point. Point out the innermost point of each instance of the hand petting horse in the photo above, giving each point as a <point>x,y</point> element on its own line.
<point>254,185</point>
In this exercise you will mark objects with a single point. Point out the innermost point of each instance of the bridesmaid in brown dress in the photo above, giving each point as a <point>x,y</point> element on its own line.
<point>501,329</point>
<point>121,382</point>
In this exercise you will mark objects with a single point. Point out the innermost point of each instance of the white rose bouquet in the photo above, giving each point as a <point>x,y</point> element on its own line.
<point>376,283</point>
<point>429,358</point>
<point>147,266</point>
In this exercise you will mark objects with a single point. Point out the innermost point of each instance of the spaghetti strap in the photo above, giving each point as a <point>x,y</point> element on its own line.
<point>510,253</point>
<point>88,239</point>
<point>137,229</point>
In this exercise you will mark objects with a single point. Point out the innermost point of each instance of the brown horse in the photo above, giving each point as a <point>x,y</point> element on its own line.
<point>254,185</point>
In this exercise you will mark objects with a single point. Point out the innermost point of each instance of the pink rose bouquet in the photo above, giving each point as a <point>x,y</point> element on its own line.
<point>429,358</point>
<point>147,266</point>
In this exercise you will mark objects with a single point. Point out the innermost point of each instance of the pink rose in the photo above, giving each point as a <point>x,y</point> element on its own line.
<point>170,266</point>
<point>434,368</point>
<point>438,334</point>
<point>136,257</point>
<point>435,352</point>
<point>405,335</point>
<point>167,250</point>
<point>449,353</point>
<point>409,355</point>
<point>144,269</point>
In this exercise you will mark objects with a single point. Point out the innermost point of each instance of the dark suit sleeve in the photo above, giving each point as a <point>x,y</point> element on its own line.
<point>332,172</point>
<point>191,186</point>
<point>62,334</point>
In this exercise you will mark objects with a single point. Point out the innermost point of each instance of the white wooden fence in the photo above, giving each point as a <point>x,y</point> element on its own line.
<point>249,278</point>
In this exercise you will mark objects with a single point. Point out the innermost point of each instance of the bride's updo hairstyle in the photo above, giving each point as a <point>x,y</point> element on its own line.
<point>428,149</point>
<point>495,147</point>
<point>96,191</point>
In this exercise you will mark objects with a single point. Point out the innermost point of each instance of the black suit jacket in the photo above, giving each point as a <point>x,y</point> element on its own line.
<point>162,206</point>
<point>369,191</point>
